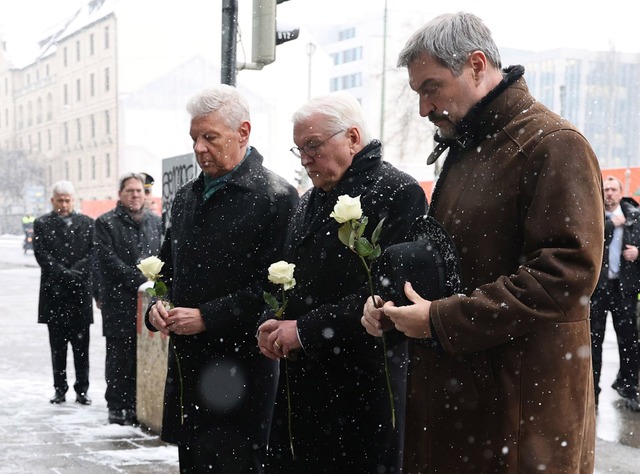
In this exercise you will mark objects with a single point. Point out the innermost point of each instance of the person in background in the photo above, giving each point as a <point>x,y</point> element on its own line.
<point>149,203</point>
<point>617,292</point>
<point>341,416</point>
<point>227,227</point>
<point>124,236</point>
<point>63,247</point>
<point>509,385</point>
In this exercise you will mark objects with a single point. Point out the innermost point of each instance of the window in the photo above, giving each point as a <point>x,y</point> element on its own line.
<point>78,90</point>
<point>65,94</point>
<point>92,84</point>
<point>46,69</point>
<point>77,50</point>
<point>66,170</point>
<point>107,164</point>
<point>49,143</point>
<point>39,141</point>
<point>39,110</point>
<point>91,43</point>
<point>93,126</point>
<point>79,169</point>
<point>65,128</point>
<point>107,122</point>
<point>346,34</point>
<point>20,118</point>
<point>64,56</point>
<point>106,37</point>
<point>106,79</point>
<point>29,114</point>
<point>49,107</point>
<point>93,167</point>
<point>79,129</point>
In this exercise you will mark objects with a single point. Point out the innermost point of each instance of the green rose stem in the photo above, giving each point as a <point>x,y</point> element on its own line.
<point>282,273</point>
<point>384,345</point>
<point>286,375</point>
<point>175,353</point>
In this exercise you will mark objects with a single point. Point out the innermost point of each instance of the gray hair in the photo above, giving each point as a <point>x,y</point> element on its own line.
<point>126,177</point>
<point>62,187</point>
<point>341,110</point>
<point>450,39</point>
<point>223,98</point>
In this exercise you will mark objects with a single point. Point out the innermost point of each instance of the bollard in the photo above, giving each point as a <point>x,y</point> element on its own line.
<point>152,368</point>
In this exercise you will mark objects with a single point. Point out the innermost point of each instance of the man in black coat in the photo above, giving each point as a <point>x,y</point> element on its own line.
<point>227,227</point>
<point>63,246</point>
<point>124,236</point>
<point>617,291</point>
<point>341,417</point>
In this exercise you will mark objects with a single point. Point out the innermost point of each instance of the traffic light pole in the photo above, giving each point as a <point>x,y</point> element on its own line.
<point>229,32</point>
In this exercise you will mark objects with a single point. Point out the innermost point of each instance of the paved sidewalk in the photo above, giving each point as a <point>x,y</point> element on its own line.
<point>37,437</point>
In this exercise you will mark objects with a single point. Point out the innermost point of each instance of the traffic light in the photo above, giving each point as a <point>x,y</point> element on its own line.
<point>265,34</point>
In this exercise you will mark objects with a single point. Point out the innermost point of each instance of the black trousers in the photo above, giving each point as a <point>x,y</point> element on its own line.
<point>61,334</point>
<point>120,373</point>
<point>623,311</point>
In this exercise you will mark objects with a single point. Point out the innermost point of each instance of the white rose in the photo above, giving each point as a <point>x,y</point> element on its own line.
<point>281,273</point>
<point>150,267</point>
<point>347,209</point>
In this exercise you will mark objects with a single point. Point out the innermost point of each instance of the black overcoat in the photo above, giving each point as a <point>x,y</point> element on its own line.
<point>340,406</point>
<point>121,243</point>
<point>64,254</point>
<point>629,271</point>
<point>216,256</point>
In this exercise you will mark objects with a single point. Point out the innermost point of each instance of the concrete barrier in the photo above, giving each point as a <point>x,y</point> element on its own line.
<point>152,369</point>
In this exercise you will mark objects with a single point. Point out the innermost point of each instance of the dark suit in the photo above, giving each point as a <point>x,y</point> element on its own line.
<point>340,406</point>
<point>64,253</point>
<point>620,296</point>
<point>216,256</point>
<point>121,244</point>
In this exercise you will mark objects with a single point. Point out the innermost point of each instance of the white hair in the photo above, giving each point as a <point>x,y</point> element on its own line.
<point>62,187</point>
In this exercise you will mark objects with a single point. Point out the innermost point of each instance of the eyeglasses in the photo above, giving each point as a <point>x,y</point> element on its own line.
<point>311,150</point>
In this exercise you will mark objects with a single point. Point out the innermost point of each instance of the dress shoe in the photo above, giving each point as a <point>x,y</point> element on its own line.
<point>130,417</point>
<point>82,399</point>
<point>59,397</point>
<point>631,404</point>
<point>116,417</point>
<point>618,386</point>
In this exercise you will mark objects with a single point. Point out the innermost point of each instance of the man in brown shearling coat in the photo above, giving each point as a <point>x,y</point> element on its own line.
<point>510,388</point>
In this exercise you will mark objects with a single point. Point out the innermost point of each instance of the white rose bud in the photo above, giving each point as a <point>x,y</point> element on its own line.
<point>150,267</point>
<point>347,209</point>
<point>281,273</point>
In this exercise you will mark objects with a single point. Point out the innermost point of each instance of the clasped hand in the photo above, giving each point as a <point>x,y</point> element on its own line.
<point>278,338</point>
<point>183,321</point>
<point>412,320</point>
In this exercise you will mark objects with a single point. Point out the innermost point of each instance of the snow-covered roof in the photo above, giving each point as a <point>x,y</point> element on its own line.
<point>88,14</point>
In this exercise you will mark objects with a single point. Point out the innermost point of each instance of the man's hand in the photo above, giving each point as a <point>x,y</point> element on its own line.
<point>278,338</point>
<point>158,315</point>
<point>630,253</point>
<point>412,320</point>
<point>618,220</point>
<point>373,318</point>
<point>185,321</point>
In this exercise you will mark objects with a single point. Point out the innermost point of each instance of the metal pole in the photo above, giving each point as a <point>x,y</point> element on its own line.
<point>311,48</point>
<point>229,32</point>
<point>384,74</point>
